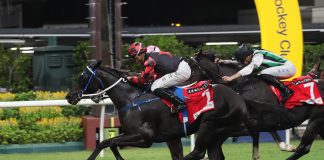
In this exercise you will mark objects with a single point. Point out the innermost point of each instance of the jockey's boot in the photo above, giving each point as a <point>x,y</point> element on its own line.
<point>167,95</point>
<point>284,90</point>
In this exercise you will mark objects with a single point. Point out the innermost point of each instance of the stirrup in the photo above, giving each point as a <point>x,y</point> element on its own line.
<point>288,96</point>
<point>173,111</point>
<point>178,109</point>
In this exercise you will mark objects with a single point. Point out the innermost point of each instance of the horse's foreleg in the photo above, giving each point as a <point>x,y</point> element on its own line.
<point>282,145</point>
<point>135,140</point>
<point>176,149</point>
<point>214,150</point>
<point>104,144</point>
<point>203,137</point>
<point>307,139</point>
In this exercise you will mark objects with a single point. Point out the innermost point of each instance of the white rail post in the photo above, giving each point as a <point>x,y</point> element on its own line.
<point>101,129</point>
<point>192,142</point>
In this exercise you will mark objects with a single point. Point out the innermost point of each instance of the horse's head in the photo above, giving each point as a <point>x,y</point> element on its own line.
<point>94,82</point>
<point>86,79</point>
<point>216,71</point>
<point>205,55</point>
<point>205,59</point>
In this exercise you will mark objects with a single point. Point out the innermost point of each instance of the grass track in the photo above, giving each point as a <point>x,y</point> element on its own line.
<point>242,151</point>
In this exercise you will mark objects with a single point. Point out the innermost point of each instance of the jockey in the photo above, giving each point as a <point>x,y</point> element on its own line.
<point>170,70</point>
<point>276,68</point>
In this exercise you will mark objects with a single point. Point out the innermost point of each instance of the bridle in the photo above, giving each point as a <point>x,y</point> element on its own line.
<point>101,92</point>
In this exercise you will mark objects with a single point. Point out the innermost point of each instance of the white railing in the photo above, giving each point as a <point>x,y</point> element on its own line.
<point>47,103</point>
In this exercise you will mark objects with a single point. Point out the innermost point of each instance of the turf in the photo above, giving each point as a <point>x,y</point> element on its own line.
<point>241,151</point>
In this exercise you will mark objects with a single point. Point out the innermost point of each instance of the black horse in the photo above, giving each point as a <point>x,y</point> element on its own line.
<point>148,119</point>
<point>266,114</point>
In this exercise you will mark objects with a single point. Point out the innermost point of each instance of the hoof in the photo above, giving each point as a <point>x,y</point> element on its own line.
<point>287,147</point>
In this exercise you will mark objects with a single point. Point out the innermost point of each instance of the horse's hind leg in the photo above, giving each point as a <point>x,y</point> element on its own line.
<point>307,139</point>
<point>255,149</point>
<point>176,149</point>
<point>321,133</point>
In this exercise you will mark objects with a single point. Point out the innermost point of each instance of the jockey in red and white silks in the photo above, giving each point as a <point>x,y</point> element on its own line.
<point>170,71</point>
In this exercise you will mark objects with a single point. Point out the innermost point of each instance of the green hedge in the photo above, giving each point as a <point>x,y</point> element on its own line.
<point>25,125</point>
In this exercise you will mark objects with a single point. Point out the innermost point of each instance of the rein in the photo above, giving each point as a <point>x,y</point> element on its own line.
<point>102,92</point>
<point>105,90</point>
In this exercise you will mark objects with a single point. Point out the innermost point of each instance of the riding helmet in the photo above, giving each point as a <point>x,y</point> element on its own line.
<point>136,49</point>
<point>242,52</point>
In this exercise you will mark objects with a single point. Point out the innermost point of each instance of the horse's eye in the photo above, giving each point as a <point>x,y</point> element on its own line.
<point>83,77</point>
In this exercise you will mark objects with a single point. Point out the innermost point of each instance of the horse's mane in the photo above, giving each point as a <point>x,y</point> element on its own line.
<point>210,55</point>
<point>235,66</point>
<point>224,69</point>
<point>123,73</point>
<point>114,71</point>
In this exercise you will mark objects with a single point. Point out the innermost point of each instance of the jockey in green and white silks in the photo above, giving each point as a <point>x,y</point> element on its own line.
<point>274,67</point>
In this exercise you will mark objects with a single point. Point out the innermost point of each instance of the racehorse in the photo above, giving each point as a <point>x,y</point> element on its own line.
<point>145,119</point>
<point>266,114</point>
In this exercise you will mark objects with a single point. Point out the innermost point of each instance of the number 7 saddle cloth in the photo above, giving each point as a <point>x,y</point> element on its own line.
<point>305,91</point>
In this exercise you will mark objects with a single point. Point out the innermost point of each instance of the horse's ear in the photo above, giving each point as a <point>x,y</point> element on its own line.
<point>199,53</point>
<point>97,64</point>
<point>319,66</point>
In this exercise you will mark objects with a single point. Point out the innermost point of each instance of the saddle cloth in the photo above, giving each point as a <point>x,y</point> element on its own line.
<point>198,97</point>
<point>305,91</point>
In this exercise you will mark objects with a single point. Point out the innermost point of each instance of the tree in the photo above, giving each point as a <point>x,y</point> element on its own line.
<point>15,70</point>
<point>80,58</point>
<point>313,54</point>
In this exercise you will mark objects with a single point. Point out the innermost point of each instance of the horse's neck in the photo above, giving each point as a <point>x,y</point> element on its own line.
<point>250,87</point>
<point>124,94</point>
<point>228,69</point>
